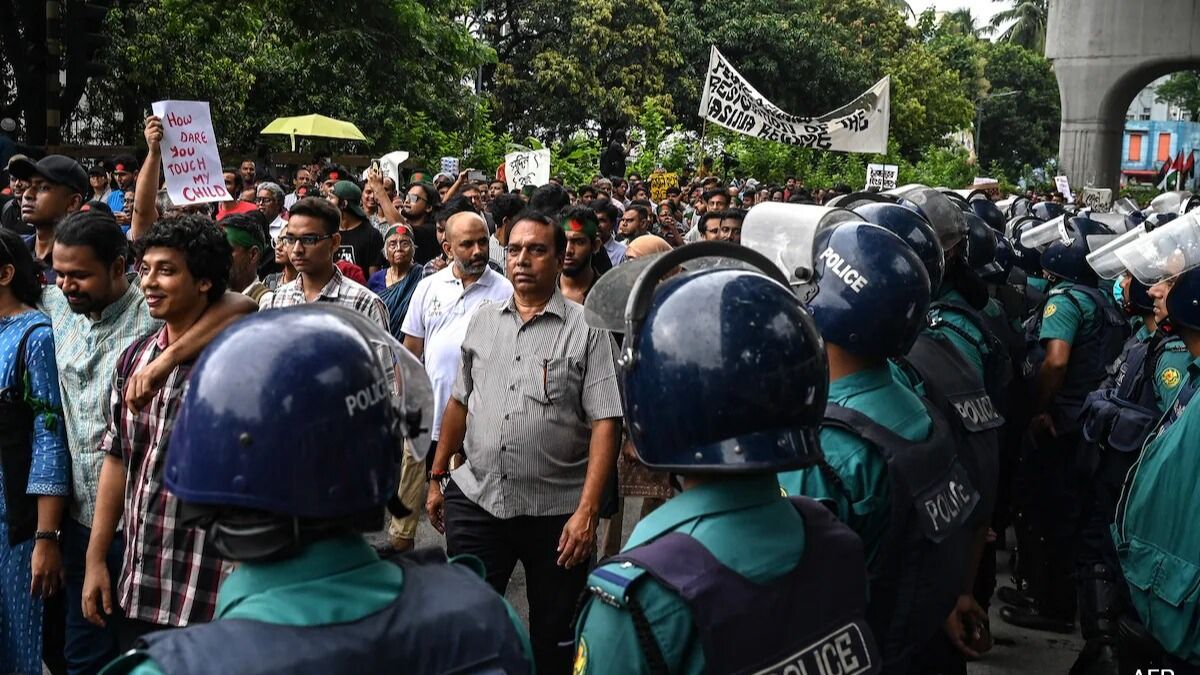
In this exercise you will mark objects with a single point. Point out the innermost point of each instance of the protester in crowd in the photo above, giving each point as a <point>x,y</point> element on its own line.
<point>10,210</point>
<point>383,194</point>
<point>420,203</point>
<point>583,244</point>
<point>361,243</point>
<point>452,207</point>
<point>57,185</point>
<point>535,409</point>
<point>496,188</point>
<point>504,209</point>
<point>125,174</point>
<point>716,199</point>
<point>97,312</point>
<point>302,179</point>
<point>287,272</point>
<point>396,283</point>
<point>635,222</point>
<point>608,214</point>
<point>586,195</point>
<point>270,203</point>
<point>313,235</point>
<point>652,244</point>
<point>246,243</point>
<point>730,228</point>
<point>669,216</point>
<point>710,225</point>
<point>549,199</point>
<point>184,270</point>
<point>36,477</point>
<point>99,182</point>
<point>248,173</point>
<point>235,187</point>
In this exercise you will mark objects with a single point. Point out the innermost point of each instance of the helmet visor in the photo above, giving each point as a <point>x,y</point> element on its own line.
<point>1045,234</point>
<point>785,233</point>
<point>1104,258</point>
<point>1125,206</point>
<point>1164,252</point>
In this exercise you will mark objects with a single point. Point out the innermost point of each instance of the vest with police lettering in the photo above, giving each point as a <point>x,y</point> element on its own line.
<point>919,568</point>
<point>808,620</point>
<point>954,388</point>
<point>1121,416</point>
<point>445,620</point>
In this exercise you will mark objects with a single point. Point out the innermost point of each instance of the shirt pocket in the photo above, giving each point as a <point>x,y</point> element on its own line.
<point>1164,592</point>
<point>554,381</point>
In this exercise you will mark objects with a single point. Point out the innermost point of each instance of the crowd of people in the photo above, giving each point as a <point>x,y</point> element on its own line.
<point>919,371</point>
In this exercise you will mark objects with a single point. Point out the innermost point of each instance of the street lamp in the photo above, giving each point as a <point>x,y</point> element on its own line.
<point>979,117</point>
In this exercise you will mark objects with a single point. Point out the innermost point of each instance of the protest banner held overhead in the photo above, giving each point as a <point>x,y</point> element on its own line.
<point>660,182</point>
<point>191,162</point>
<point>523,169</point>
<point>882,176</point>
<point>859,126</point>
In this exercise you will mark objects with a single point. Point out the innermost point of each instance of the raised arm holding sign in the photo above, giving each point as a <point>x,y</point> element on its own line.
<point>189,153</point>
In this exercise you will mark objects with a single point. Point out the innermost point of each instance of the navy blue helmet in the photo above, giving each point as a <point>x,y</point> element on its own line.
<point>732,335</point>
<point>1069,260</point>
<point>989,212</point>
<point>1047,210</point>
<point>907,224</point>
<point>872,291</point>
<point>981,242</point>
<point>1183,301</point>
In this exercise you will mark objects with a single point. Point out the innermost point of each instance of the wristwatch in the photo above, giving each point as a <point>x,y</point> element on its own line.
<point>52,535</point>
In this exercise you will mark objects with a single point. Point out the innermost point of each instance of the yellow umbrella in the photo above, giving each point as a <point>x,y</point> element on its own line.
<point>313,125</point>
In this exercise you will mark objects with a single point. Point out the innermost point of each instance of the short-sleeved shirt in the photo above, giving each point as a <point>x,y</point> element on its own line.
<point>362,246</point>
<point>615,251</point>
<point>1066,318</point>
<point>865,506</point>
<point>169,573</point>
<point>49,472</point>
<point>438,313</point>
<point>532,390</point>
<point>743,522</point>
<point>338,290</point>
<point>87,351</point>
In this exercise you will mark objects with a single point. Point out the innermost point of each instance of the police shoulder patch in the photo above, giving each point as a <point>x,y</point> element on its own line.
<point>581,657</point>
<point>1051,308</point>
<point>1171,378</point>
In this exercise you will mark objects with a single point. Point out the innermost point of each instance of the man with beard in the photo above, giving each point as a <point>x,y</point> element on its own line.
<point>634,223</point>
<point>436,323</point>
<point>419,205</point>
<point>583,242</point>
<point>245,239</point>
<point>607,216</point>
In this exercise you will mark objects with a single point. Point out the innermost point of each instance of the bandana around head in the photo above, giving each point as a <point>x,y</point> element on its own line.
<point>587,227</point>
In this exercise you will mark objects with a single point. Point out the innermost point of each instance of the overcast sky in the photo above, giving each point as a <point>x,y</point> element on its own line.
<point>982,10</point>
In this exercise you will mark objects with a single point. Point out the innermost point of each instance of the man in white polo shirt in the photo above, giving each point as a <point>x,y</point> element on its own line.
<point>434,327</point>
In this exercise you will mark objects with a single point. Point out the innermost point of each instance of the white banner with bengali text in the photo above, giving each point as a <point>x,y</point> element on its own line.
<point>859,126</point>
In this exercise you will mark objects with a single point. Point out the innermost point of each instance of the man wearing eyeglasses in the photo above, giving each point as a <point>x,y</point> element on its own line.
<point>269,199</point>
<point>311,239</point>
<point>419,204</point>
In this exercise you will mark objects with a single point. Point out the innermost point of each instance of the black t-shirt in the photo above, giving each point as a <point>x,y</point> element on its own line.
<point>10,216</point>
<point>425,238</point>
<point>362,246</point>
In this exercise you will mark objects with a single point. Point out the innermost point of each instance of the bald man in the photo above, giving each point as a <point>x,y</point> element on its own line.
<point>441,307</point>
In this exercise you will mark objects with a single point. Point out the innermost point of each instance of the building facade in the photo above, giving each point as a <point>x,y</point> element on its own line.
<point>1154,133</point>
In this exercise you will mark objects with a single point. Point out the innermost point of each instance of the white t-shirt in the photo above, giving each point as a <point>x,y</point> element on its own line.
<point>438,314</point>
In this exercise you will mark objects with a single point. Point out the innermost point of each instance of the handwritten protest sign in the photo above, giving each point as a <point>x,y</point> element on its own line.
<point>660,182</point>
<point>450,166</point>
<point>1098,199</point>
<point>1064,187</point>
<point>859,126</point>
<point>189,153</point>
<point>527,168</point>
<point>882,176</point>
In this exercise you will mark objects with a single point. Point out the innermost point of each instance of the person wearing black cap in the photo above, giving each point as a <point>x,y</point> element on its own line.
<point>362,244</point>
<point>125,170</point>
<point>100,183</point>
<point>57,186</point>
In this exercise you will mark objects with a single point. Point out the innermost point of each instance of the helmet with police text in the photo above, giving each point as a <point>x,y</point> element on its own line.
<point>1047,210</point>
<point>860,269</point>
<point>730,333</point>
<point>988,211</point>
<point>292,423</point>
<point>943,215</point>
<point>1068,259</point>
<point>912,228</point>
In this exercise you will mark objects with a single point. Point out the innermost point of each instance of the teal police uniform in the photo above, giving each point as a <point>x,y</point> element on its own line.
<point>1063,318</point>
<point>964,334</point>
<point>863,470</point>
<point>1157,541</point>
<point>332,582</point>
<point>744,522</point>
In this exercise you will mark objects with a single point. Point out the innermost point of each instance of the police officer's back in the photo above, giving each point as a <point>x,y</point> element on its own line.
<point>287,445</point>
<point>728,576</point>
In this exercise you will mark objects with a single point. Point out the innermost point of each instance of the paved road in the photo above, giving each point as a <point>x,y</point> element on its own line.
<point>1016,650</point>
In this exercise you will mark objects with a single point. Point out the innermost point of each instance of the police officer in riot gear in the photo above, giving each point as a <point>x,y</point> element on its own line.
<point>728,576</point>
<point>888,464</point>
<point>282,471</point>
<point>1073,339</point>
<point>1154,532</point>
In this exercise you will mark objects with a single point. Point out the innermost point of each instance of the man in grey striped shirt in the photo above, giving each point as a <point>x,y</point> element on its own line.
<point>536,412</point>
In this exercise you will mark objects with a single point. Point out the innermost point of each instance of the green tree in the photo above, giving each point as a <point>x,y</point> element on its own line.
<point>962,22</point>
<point>1021,128</point>
<point>1183,90</point>
<point>567,66</point>
<point>928,100</point>
<point>1028,23</point>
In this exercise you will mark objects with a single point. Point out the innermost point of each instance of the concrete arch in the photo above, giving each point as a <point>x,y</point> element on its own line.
<point>1104,52</point>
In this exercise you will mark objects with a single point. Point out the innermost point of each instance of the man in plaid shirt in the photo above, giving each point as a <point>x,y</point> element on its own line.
<point>170,574</point>
<point>312,237</point>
